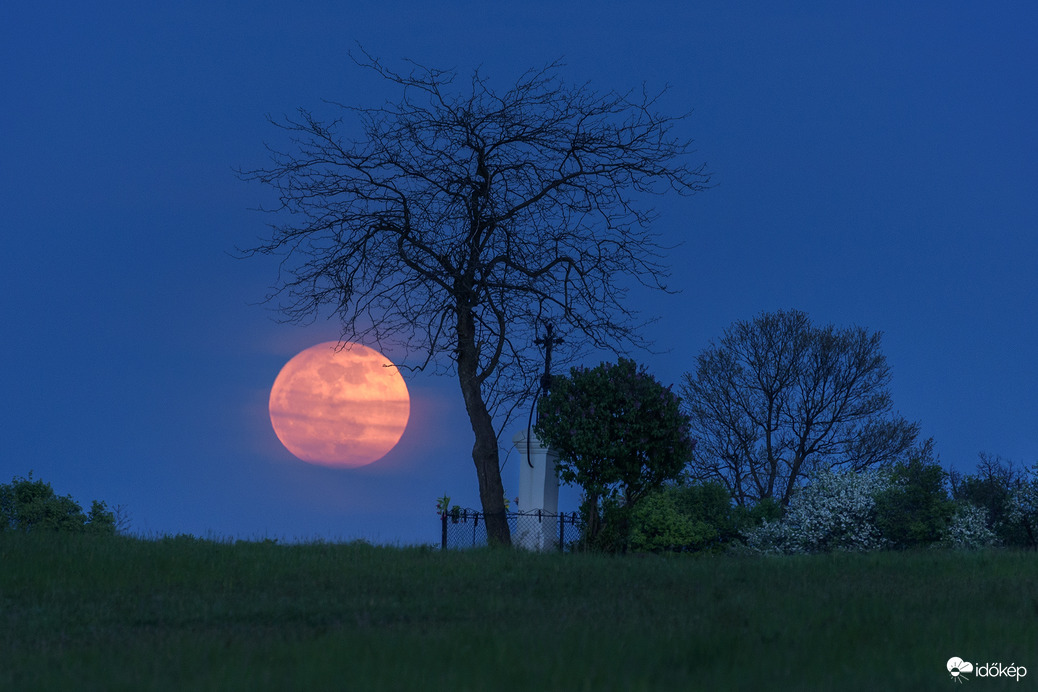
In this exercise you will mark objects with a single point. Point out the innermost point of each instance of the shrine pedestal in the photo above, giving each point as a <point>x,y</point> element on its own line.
<point>538,490</point>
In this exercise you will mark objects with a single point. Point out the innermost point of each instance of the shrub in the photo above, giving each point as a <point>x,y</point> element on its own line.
<point>1023,507</point>
<point>915,510</point>
<point>32,505</point>
<point>683,518</point>
<point>969,530</point>
<point>619,435</point>
<point>999,488</point>
<point>907,506</point>
<point>711,503</point>
<point>748,518</point>
<point>834,511</point>
<point>657,525</point>
<point>690,517</point>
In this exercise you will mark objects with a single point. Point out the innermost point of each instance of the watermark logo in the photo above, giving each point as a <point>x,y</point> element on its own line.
<point>960,670</point>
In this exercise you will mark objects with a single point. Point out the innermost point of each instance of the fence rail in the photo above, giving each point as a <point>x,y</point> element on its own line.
<point>534,529</point>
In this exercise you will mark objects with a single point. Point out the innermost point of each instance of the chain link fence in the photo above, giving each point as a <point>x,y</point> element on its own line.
<point>533,530</point>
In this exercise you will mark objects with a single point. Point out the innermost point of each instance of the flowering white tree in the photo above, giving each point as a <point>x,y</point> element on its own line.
<point>833,511</point>
<point>969,530</point>
<point>1008,495</point>
<point>1023,506</point>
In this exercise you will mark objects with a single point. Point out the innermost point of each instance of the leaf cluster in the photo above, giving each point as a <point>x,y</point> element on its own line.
<point>916,509</point>
<point>617,431</point>
<point>28,504</point>
<point>685,518</point>
<point>1007,496</point>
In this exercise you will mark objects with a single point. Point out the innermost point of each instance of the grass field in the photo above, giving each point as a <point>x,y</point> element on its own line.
<point>96,613</point>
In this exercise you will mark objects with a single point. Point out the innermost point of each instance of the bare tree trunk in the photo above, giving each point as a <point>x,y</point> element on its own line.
<point>593,523</point>
<point>491,490</point>
<point>484,450</point>
<point>458,216</point>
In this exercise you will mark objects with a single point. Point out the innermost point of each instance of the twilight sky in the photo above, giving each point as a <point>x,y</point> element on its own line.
<point>873,165</point>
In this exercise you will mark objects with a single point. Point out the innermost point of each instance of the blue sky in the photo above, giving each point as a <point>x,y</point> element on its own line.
<point>874,165</point>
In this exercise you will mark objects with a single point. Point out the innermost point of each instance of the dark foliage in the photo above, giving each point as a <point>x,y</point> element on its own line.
<point>619,435</point>
<point>32,505</point>
<point>1005,491</point>
<point>916,510</point>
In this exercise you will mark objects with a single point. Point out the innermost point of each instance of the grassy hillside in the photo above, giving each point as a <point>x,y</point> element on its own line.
<point>89,612</point>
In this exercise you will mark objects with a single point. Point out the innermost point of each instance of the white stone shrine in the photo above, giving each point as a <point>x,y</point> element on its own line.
<point>538,490</point>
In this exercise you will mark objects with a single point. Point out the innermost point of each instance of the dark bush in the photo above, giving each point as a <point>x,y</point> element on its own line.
<point>620,435</point>
<point>659,524</point>
<point>916,509</point>
<point>28,504</point>
<point>694,517</point>
<point>994,488</point>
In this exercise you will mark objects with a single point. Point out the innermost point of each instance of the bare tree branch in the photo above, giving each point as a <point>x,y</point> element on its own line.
<point>450,221</point>
<point>778,398</point>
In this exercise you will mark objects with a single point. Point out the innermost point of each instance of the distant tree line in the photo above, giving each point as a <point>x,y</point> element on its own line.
<point>785,440</point>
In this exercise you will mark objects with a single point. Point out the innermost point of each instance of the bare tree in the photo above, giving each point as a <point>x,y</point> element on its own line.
<point>456,219</point>
<point>778,397</point>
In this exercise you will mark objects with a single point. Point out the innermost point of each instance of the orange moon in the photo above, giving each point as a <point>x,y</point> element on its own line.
<point>339,406</point>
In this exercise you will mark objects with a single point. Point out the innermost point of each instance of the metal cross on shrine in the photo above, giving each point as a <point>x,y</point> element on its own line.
<point>547,342</point>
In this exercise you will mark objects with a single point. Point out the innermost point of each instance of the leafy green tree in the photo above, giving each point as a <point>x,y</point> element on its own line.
<point>101,519</point>
<point>748,518</point>
<point>28,504</point>
<point>619,435</point>
<point>916,509</point>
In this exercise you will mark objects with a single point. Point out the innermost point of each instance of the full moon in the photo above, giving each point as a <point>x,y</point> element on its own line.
<point>343,406</point>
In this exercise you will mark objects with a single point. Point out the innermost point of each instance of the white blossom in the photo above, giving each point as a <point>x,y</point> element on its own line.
<point>968,529</point>
<point>1023,502</point>
<point>834,511</point>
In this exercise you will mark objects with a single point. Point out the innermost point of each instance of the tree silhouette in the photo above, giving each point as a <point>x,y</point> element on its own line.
<point>619,435</point>
<point>778,398</point>
<point>452,221</point>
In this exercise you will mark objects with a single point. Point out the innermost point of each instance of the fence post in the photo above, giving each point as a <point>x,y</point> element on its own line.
<point>562,531</point>
<point>443,531</point>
